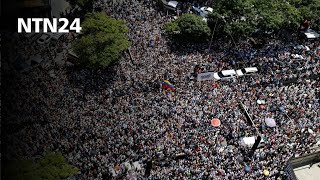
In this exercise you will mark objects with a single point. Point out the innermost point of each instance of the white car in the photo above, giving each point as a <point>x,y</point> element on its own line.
<point>226,74</point>
<point>45,38</point>
<point>173,4</point>
<point>311,34</point>
<point>246,71</point>
<point>206,10</point>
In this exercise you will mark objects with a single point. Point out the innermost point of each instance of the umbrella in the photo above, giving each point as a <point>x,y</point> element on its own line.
<point>259,101</point>
<point>152,43</point>
<point>215,122</point>
<point>270,122</point>
<point>266,172</point>
<point>281,109</point>
<point>310,131</point>
<point>247,169</point>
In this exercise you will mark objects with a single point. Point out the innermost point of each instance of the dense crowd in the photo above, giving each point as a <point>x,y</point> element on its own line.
<point>27,53</point>
<point>100,119</point>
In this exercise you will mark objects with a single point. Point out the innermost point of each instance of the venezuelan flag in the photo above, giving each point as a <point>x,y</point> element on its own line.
<point>167,85</point>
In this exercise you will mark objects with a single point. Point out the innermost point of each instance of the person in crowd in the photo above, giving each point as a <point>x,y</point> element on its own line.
<point>102,119</point>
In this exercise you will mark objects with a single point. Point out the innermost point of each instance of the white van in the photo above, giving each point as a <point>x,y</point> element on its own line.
<point>226,74</point>
<point>246,71</point>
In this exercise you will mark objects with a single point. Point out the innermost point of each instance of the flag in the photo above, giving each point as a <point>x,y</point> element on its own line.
<point>167,85</point>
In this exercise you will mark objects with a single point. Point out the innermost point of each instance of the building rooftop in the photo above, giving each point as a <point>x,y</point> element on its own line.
<point>305,167</point>
<point>308,172</point>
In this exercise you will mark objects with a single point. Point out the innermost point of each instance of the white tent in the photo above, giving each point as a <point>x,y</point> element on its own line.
<point>249,141</point>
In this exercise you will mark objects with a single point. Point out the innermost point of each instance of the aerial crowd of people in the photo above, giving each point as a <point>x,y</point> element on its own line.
<point>102,120</point>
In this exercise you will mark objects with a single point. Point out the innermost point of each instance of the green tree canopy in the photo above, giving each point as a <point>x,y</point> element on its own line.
<point>189,26</point>
<point>102,40</point>
<point>50,166</point>
<point>243,17</point>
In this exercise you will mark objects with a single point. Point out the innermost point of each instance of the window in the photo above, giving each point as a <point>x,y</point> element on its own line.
<point>221,75</point>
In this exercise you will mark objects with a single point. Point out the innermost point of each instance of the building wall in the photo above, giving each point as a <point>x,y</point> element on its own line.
<point>301,161</point>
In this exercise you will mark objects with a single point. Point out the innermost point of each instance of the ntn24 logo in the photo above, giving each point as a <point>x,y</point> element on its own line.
<point>48,25</point>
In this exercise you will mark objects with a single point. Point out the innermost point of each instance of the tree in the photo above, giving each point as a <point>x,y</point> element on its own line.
<point>275,15</point>
<point>190,27</point>
<point>243,17</point>
<point>308,8</point>
<point>235,17</point>
<point>50,166</point>
<point>102,40</point>
<point>172,27</point>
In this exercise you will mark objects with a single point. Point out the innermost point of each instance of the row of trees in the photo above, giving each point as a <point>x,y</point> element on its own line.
<point>104,38</point>
<point>189,26</point>
<point>243,17</point>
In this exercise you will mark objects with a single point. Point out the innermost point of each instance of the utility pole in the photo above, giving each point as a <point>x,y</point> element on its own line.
<point>259,135</point>
<point>229,33</point>
<point>214,29</point>
<point>247,114</point>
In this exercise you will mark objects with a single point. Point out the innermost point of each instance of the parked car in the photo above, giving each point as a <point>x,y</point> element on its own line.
<point>246,71</point>
<point>32,36</point>
<point>57,36</point>
<point>172,5</point>
<point>203,12</point>
<point>45,38</point>
<point>206,10</point>
<point>226,74</point>
<point>311,34</point>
